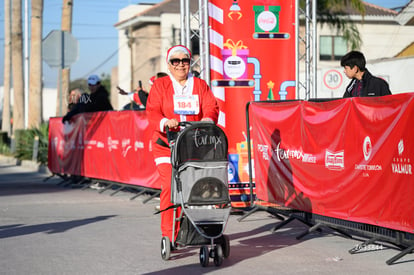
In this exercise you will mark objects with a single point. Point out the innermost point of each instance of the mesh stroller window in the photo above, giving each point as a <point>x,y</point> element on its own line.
<point>205,142</point>
<point>208,190</point>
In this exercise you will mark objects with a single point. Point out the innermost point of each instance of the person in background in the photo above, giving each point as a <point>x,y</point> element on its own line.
<point>140,96</point>
<point>73,98</point>
<point>96,101</point>
<point>363,83</point>
<point>180,88</point>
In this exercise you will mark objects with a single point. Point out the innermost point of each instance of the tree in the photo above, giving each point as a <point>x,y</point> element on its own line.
<point>335,13</point>
<point>17,65</point>
<point>66,25</point>
<point>5,126</point>
<point>35,87</point>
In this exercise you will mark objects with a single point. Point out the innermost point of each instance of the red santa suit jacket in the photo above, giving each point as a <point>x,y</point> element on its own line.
<point>160,104</point>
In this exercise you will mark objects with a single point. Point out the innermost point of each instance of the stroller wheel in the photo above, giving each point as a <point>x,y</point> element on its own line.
<point>165,248</point>
<point>218,255</point>
<point>226,246</point>
<point>204,256</point>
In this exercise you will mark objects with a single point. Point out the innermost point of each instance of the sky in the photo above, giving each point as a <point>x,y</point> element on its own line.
<point>93,26</point>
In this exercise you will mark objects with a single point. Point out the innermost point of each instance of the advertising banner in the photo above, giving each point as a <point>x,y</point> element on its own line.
<point>252,58</point>
<point>112,146</point>
<point>348,158</point>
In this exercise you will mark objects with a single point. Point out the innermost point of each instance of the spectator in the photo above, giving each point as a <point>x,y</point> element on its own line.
<point>140,96</point>
<point>96,101</point>
<point>363,83</point>
<point>162,113</point>
<point>73,98</point>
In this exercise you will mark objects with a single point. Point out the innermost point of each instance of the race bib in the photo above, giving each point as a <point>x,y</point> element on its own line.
<point>186,104</point>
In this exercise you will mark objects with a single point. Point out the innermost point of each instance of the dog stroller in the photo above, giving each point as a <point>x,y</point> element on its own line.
<point>199,185</point>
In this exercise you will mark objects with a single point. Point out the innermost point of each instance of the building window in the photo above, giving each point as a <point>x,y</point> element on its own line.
<point>332,47</point>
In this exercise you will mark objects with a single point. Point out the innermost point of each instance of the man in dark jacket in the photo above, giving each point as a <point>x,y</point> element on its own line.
<point>96,101</point>
<point>363,83</point>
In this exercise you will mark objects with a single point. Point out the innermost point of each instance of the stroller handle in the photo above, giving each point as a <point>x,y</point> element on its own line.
<point>172,135</point>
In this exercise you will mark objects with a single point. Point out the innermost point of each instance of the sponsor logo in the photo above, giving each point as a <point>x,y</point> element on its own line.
<point>367,151</point>
<point>85,99</point>
<point>401,165</point>
<point>138,145</point>
<point>367,148</point>
<point>335,160</point>
<point>202,138</point>
<point>264,150</point>
<point>126,145</point>
<point>294,154</point>
<point>90,143</point>
<point>112,144</point>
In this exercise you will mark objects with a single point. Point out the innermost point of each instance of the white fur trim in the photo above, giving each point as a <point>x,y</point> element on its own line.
<point>162,160</point>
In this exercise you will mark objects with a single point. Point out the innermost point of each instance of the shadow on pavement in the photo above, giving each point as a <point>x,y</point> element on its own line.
<point>243,245</point>
<point>9,231</point>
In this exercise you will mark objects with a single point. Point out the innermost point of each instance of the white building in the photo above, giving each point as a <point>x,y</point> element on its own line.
<point>387,43</point>
<point>147,31</point>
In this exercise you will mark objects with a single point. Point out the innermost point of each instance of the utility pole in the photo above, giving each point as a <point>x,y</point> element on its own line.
<point>64,75</point>
<point>6,126</point>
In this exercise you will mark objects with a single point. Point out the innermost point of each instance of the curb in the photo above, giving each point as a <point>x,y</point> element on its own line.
<point>32,165</point>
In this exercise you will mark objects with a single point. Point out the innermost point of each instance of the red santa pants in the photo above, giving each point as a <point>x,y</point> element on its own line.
<point>165,170</point>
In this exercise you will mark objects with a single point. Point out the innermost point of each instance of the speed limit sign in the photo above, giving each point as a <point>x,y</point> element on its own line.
<point>332,79</point>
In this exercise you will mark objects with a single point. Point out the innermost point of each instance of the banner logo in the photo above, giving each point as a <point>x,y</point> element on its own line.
<point>294,154</point>
<point>367,148</point>
<point>401,165</point>
<point>335,161</point>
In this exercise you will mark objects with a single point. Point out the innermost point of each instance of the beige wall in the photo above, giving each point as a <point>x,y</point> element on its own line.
<point>114,91</point>
<point>146,53</point>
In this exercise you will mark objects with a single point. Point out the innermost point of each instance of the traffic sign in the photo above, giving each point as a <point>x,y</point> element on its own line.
<point>60,49</point>
<point>332,79</point>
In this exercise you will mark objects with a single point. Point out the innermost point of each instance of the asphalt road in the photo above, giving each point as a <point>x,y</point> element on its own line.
<point>46,228</point>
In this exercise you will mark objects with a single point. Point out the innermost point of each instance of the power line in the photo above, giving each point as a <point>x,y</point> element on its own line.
<point>105,61</point>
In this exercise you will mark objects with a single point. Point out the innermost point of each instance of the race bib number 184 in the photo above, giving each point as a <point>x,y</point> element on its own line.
<point>186,104</point>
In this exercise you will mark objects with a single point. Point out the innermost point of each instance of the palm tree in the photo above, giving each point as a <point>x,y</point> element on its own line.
<point>7,69</point>
<point>335,13</point>
<point>17,65</point>
<point>35,94</point>
<point>66,25</point>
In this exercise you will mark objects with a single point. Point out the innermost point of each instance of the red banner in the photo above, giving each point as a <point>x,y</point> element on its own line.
<point>348,158</point>
<point>113,146</point>
<point>252,57</point>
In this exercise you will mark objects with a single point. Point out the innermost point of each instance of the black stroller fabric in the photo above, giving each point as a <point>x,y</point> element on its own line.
<point>206,143</point>
<point>188,235</point>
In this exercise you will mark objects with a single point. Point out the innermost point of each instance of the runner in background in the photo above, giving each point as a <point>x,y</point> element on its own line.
<point>140,95</point>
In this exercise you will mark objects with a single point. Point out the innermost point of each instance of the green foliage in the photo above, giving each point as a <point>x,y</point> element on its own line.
<point>106,82</point>
<point>5,144</point>
<point>5,149</point>
<point>25,139</point>
<point>335,13</point>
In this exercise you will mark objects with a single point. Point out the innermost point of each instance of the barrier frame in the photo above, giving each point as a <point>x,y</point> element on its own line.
<point>400,240</point>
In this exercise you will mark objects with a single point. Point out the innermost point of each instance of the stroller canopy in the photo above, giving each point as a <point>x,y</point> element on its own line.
<point>200,142</point>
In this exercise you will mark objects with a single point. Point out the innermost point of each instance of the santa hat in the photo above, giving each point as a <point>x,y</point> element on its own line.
<point>178,49</point>
<point>152,79</point>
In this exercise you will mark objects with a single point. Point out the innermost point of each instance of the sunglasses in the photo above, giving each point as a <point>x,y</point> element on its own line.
<point>176,61</point>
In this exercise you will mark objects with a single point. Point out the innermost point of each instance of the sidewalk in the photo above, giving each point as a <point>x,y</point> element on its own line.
<point>28,164</point>
<point>49,229</point>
